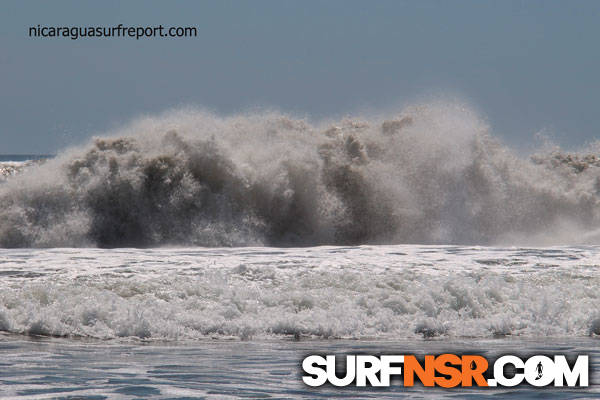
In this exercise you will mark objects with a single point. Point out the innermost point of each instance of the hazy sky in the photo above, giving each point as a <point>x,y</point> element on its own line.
<point>527,66</point>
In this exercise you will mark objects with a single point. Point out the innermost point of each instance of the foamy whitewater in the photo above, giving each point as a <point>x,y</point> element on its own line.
<point>430,175</point>
<point>366,292</point>
<point>133,265</point>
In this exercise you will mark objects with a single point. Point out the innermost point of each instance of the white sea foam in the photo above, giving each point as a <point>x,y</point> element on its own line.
<point>11,168</point>
<point>340,292</point>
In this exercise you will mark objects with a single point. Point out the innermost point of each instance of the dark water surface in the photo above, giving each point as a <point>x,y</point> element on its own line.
<point>59,368</point>
<point>23,157</point>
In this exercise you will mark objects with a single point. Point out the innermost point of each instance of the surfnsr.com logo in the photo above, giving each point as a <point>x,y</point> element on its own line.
<point>445,370</point>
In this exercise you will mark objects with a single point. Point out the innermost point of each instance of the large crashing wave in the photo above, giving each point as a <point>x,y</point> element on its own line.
<point>432,174</point>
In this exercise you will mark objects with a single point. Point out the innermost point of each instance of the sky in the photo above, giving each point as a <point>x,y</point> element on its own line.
<point>526,66</point>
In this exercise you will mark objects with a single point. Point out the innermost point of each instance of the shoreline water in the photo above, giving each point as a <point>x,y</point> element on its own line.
<point>47,368</point>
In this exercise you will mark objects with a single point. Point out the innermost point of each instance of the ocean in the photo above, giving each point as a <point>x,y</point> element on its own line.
<point>237,322</point>
<point>194,256</point>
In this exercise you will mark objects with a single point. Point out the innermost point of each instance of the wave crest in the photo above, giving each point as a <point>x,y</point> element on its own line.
<point>432,174</point>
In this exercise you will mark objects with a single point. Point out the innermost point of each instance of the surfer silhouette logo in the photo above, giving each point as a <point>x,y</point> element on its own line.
<point>539,370</point>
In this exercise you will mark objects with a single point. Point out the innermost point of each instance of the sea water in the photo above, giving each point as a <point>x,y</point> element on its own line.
<point>237,322</point>
<point>199,256</point>
<point>42,368</point>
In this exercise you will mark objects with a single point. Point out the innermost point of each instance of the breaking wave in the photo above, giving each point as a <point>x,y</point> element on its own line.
<point>431,174</point>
